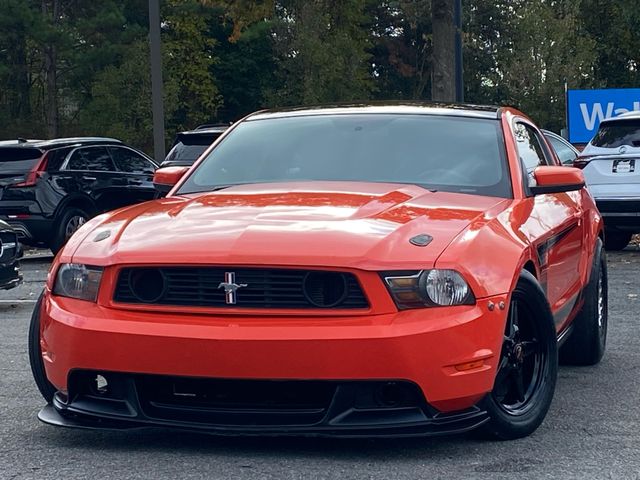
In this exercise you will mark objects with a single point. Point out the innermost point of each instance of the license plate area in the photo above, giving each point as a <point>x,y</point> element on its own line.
<point>624,165</point>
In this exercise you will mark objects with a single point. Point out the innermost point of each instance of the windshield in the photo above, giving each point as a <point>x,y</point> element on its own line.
<point>618,133</point>
<point>445,153</point>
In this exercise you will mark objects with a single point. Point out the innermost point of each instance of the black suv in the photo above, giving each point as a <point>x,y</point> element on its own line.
<point>49,188</point>
<point>189,145</point>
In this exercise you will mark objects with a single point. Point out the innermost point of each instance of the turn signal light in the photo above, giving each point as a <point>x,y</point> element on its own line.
<point>463,367</point>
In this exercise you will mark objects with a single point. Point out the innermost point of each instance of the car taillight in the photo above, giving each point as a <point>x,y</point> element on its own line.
<point>581,162</point>
<point>36,172</point>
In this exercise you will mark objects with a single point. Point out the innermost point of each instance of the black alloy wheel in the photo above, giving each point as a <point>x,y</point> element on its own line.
<point>523,360</point>
<point>528,365</point>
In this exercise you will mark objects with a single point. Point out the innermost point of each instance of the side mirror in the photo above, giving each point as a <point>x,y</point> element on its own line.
<point>556,179</point>
<point>164,179</point>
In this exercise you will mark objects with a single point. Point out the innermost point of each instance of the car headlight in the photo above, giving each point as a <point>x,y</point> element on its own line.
<point>428,288</point>
<point>78,281</point>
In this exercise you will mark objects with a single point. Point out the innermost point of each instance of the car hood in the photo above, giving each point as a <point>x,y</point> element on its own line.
<point>342,224</point>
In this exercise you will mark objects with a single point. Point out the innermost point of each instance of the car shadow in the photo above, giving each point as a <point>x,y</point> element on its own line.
<point>156,439</point>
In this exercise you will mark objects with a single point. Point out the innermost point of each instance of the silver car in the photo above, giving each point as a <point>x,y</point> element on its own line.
<point>566,152</point>
<point>611,165</point>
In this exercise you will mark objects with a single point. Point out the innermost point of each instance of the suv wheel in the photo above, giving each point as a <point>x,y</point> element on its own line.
<point>70,221</point>
<point>614,241</point>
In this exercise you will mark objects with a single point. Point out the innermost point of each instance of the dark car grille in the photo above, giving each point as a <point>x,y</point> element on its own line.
<point>8,253</point>
<point>265,288</point>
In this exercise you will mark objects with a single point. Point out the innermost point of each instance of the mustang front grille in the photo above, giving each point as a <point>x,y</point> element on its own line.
<point>239,287</point>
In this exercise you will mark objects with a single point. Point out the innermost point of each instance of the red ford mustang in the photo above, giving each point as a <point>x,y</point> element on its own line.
<point>354,270</point>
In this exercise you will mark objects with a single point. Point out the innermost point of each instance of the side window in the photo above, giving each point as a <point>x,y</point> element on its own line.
<point>56,158</point>
<point>529,147</point>
<point>131,162</point>
<point>565,153</point>
<point>95,159</point>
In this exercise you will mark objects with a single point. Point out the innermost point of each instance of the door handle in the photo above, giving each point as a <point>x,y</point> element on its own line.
<point>91,179</point>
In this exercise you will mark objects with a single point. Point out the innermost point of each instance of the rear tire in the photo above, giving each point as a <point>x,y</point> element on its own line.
<point>70,220</point>
<point>528,367</point>
<point>587,342</point>
<point>35,355</point>
<point>616,241</point>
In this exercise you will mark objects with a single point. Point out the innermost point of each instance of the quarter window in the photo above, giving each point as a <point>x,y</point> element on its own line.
<point>56,159</point>
<point>92,159</point>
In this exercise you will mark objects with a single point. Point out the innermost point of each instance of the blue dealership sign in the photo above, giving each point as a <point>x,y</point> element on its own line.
<point>587,108</point>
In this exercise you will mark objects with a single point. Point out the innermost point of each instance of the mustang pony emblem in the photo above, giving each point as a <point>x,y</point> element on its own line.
<point>230,286</point>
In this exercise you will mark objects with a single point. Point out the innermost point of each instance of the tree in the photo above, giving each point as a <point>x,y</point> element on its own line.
<point>322,52</point>
<point>189,53</point>
<point>16,23</point>
<point>443,87</point>
<point>401,32</point>
<point>521,52</point>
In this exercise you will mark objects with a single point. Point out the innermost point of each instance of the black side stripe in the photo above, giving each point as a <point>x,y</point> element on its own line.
<point>545,246</point>
<point>563,313</point>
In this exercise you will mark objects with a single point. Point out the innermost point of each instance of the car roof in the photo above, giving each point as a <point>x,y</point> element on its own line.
<point>59,142</point>
<point>554,134</point>
<point>632,115</point>
<point>205,130</point>
<point>407,108</point>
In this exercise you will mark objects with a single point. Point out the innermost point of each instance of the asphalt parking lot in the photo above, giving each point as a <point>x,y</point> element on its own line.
<point>592,430</point>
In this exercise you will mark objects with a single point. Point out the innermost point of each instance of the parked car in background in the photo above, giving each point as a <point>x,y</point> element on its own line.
<point>350,271</point>
<point>49,188</point>
<point>189,145</point>
<point>611,167</point>
<point>566,152</point>
<point>10,253</point>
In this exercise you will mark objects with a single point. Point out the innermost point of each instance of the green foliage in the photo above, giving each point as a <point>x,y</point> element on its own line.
<point>189,55</point>
<point>522,52</point>
<point>223,59</point>
<point>120,104</point>
<point>402,48</point>
<point>321,49</point>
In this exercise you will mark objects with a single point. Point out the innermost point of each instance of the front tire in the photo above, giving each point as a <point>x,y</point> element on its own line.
<point>528,366</point>
<point>35,355</point>
<point>588,340</point>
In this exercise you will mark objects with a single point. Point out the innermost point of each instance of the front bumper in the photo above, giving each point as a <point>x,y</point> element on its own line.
<point>422,347</point>
<point>32,229</point>
<point>241,407</point>
<point>10,276</point>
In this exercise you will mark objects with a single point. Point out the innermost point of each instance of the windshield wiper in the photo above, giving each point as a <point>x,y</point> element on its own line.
<point>222,187</point>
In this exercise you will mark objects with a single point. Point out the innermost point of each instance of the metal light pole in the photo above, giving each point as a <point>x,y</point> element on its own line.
<point>459,76</point>
<point>157,106</point>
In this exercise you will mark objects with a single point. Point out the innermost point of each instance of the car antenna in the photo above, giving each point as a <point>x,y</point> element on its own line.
<point>22,140</point>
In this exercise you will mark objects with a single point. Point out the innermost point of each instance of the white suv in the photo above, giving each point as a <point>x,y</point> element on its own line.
<point>611,165</point>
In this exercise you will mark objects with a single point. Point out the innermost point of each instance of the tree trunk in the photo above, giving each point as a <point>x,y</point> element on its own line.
<point>51,73</point>
<point>20,109</point>
<point>443,86</point>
